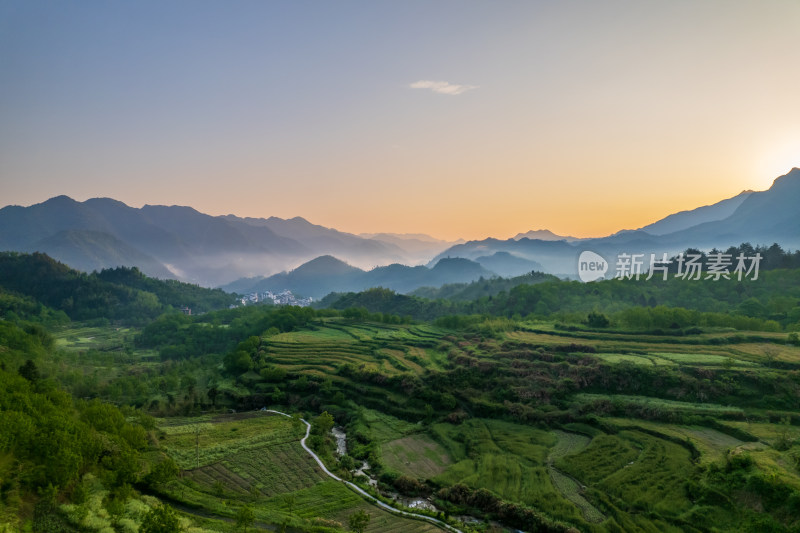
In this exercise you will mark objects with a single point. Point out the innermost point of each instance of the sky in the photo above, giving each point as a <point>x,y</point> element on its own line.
<point>459,119</point>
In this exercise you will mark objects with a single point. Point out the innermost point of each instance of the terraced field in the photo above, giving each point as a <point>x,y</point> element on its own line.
<point>711,443</point>
<point>415,456</point>
<point>508,459</point>
<point>704,349</point>
<point>571,443</point>
<point>256,458</point>
<point>391,350</point>
<point>642,471</point>
<point>658,403</point>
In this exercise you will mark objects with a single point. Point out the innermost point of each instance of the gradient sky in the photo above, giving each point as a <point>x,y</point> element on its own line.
<point>453,118</point>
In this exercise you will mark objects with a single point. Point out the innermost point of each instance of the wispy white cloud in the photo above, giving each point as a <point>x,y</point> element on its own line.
<point>442,87</point>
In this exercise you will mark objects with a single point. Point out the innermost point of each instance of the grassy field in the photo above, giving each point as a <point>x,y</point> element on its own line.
<point>571,443</point>
<point>725,345</point>
<point>416,456</point>
<point>645,473</point>
<point>658,403</point>
<point>508,459</point>
<point>575,434</point>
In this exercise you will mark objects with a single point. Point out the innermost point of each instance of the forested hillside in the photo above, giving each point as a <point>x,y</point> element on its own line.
<point>620,411</point>
<point>116,294</point>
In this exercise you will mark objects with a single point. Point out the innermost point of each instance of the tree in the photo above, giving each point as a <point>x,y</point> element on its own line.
<point>429,413</point>
<point>770,353</point>
<point>359,521</point>
<point>161,519</point>
<point>245,517</point>
<point>597,320</point>
<point>162,472</point>
<point>323,423</point>
<point>212,395</point>
<point>289,499</point>
<point>29,371</point>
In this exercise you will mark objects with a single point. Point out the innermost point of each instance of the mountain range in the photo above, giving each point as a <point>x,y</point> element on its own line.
<point>763,217</point>
<point>182,243</point>
<point>327,274</point>
<point>249,254</point>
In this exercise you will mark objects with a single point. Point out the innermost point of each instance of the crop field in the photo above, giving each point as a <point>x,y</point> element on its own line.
<point>506,458</point>
<point>620,465</point>
<point>658,403</point>
<point>567,443</point>
<point>641,470</point>
<point>711,443</point>
<point>390,350</point>
<point>209,440</point>
<point>636,359</point>
<point>682,350</point>
<point>260,466</point>
<point>382,427</point>
<point>256,458</point>
<point>702,359</point>
<point>571,490</point>
<point>77,337</point>
<point>570,443</point>
<point>416,456</point>
<point>767,432</point>
<point>333,503</point>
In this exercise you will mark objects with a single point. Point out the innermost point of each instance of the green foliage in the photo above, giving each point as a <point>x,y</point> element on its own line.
<point>53,439</point>
<point>245,517</point>
<point>177,336</point>
<point>463,292</point>
<point>160,519</point>
<point>597,320</point>
<point>358,521</point>
<point>323,424</point>
<point>29,371</point>
<point>117,294</point>
<point>17,307</point>
<point>768,304</point>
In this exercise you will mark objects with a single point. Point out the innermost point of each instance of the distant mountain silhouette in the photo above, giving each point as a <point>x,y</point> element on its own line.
<point>326,274</point>
<point>687,219</point>
<point>762,217</point>
<point>549,255</point>
<point>325,241</point>
<point>544,235</point>
<point>508,265</point>
<point>178,241</point>
<point>93,250</point>
<point>181,242</point>
<point>419,248</point>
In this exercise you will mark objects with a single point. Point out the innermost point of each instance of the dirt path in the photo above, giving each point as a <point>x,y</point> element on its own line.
<point>361,491</point>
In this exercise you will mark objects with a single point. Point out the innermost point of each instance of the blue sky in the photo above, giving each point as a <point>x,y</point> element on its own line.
<point>452,118</point>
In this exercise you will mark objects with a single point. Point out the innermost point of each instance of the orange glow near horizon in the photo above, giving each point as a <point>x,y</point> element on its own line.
<point>486,121</point>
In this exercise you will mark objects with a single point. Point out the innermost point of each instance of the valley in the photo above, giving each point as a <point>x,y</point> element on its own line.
<point>533,426</point>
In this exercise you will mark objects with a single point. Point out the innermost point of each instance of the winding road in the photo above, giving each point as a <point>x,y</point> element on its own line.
<point>358,489</point>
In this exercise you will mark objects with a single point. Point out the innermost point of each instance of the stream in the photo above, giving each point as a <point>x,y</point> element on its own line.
<point>406,501</point>
<point>355,487</point>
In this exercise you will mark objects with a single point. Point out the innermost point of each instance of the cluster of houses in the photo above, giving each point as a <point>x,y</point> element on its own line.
<point>284,297</point>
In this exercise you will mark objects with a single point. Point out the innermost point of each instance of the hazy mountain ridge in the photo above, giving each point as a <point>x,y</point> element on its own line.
<point>88,251</point>
<point>181,242</point>
<point>544,235</point>
<point>692,217</point>
<point>327,274</point>
<point>762,217</point>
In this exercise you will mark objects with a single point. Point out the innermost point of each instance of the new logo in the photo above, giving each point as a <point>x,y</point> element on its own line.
<point>591,266</point>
